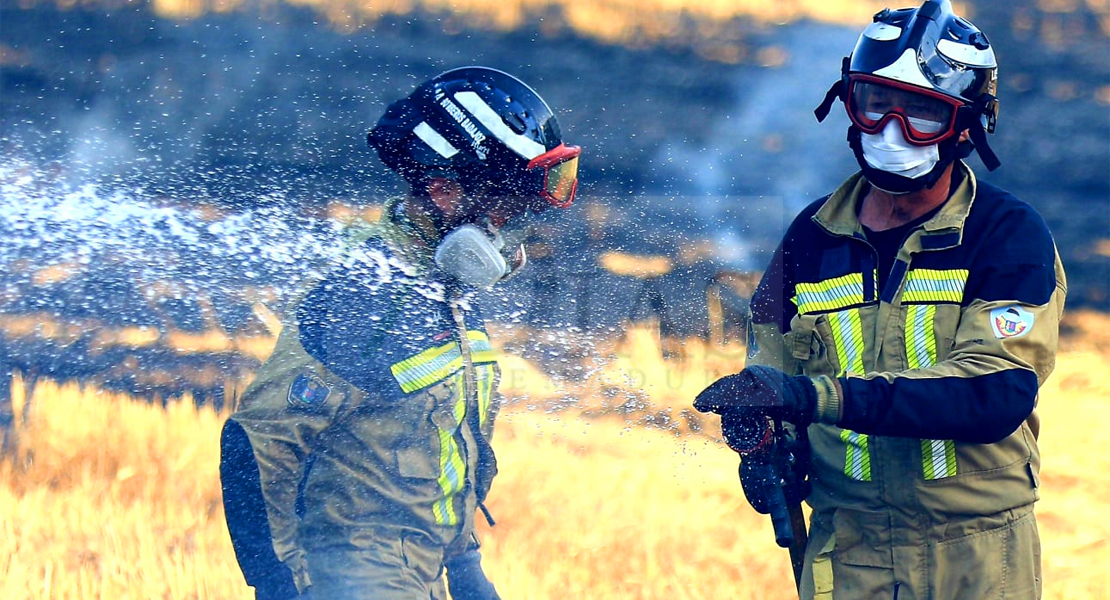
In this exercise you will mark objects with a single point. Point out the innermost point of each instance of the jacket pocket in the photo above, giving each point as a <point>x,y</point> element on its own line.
<point>430,422</point>
<point>811,343</point>
<point>417,462</point>
<point>851,557</point>
<point>862,539</point>
<point>999,562</point>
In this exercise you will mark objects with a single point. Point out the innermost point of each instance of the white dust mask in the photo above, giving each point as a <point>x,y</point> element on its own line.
<point>889,151</point>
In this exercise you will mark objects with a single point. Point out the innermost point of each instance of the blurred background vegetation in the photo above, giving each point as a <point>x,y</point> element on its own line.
<point>171,168</point>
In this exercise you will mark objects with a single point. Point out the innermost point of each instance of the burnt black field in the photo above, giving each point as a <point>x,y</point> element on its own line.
<point>264,113</point>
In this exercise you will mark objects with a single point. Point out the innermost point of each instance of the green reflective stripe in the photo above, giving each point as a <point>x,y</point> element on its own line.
<point>831,294</point>
<point>452,467</point>
<point>847,331</point>
<point>480,349</point>
<point>921,341</point>
<point>428,367</point>
<point>932,285</point>
<point>938,457</point>
<point>857,459</point>
<point>485,375</point>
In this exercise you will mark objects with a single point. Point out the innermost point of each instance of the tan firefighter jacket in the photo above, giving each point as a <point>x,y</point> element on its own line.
<point>375,409</point>
<point>940,369</point>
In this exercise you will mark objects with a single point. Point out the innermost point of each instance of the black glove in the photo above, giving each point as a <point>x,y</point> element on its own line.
<point>760,391</point>
<point>784,464</point>
<point>465,579</point>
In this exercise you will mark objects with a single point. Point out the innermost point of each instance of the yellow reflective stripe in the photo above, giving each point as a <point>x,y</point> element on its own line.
<point>847,331</point>
<point>938,458</point>
<point>436,364</point>
<point>823,571</point>
<point>932,285</point>
<point>830,294</point>
<point>432,366</point>
<point>428,367</point>
<point>452,467</point>
<point>857,459</point>
<point>921,341</point>
<point>485,391</point>
<point>480,349</point>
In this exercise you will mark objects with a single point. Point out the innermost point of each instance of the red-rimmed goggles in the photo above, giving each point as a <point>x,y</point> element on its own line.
<point>559,170</point>
<point>926,117</point>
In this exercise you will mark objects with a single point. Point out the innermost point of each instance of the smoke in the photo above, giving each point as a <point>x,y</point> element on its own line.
<point>768,158</point>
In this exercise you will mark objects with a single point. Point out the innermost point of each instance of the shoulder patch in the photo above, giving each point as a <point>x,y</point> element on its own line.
<point>1011,322</point>
<point>308,390</point>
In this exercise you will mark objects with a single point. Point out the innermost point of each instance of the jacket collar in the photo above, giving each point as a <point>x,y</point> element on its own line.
<point>397,232</point>
<point>838,215</point>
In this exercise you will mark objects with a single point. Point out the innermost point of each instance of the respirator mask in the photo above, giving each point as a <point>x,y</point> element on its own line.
<point>888,151</point>
<point>480,255</point>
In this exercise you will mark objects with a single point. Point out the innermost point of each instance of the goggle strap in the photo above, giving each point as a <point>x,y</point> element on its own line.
<point>835,92</point>
<point>838,90</point>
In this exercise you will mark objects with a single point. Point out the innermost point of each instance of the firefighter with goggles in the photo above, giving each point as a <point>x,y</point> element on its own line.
<point>358,458</point>
<point>902,331</point>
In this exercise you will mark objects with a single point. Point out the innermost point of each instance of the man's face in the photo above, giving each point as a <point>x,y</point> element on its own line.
<point>459,205</point>
<point>498,210</point>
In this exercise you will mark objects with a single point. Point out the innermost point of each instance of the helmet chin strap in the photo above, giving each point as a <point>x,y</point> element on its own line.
<point>950,150</point>
<point>971,121</point>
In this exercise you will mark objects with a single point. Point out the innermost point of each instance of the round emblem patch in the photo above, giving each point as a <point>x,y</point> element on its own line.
<point>1011,322</point>
<point>307,391</point>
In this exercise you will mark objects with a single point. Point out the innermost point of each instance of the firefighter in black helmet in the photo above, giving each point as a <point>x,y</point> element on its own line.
<point>360,454</point>
<point>904,326</point>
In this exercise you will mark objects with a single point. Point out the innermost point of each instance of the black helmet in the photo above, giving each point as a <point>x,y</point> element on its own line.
<point>484,128</point>
<point>929,51</point>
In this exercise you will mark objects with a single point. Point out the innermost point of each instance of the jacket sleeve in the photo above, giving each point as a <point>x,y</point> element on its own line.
<point>265,449</point>
<point>770,318</point>
<point>1004,349</point>
<point>770,341</point>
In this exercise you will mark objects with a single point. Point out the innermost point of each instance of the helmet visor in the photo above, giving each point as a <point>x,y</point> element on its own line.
<point>559,170</point>
<point>926,117</point>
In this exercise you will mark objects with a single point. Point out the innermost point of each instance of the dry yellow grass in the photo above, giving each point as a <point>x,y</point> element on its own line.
<point>598,509</point>
<point>112,498</point>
